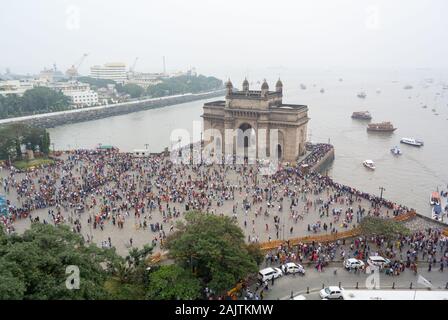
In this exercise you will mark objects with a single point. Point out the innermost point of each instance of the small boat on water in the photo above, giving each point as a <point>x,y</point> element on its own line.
<point>396,151</point>
<point>362,95</point>
<point>412,142</point>
<point>322,90</point>
<point>302,86</point>
<point>361,115</point>
<point>369,164</point>
<point>381,127</point>
<point>407,87</point>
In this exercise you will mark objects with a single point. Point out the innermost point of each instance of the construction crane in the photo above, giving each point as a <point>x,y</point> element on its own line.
<point>133,65</point>
<point>72,72</point>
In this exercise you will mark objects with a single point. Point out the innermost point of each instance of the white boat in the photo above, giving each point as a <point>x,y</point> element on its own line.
<point>369,164</point>
<point>412,142</point>
<point>396,151</point>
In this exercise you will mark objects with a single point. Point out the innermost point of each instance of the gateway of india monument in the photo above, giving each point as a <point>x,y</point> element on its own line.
<point>252,110</point>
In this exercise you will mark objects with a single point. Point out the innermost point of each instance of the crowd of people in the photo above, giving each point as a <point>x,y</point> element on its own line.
<point>100,193</point>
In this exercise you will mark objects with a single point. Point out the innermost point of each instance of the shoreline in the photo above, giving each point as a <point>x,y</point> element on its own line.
<point>55,119</point>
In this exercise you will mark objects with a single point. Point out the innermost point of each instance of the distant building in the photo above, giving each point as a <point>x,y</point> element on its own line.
<point>145,80</point>
<point>51,75</point>
<point>110,71</point>
<point>80,93</point>
<point>83,98</point>
<point>17,87</point>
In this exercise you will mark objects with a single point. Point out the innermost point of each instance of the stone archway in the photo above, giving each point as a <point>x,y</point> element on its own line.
<point>246,139</point>
<point>279,152</point>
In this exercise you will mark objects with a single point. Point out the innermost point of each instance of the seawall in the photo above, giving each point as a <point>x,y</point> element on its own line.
<point>49,120</point>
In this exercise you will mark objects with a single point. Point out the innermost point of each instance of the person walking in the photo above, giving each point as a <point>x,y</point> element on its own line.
<point>429,267</point>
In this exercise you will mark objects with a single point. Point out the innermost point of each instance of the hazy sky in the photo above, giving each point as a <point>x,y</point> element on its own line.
<point>215,35</point>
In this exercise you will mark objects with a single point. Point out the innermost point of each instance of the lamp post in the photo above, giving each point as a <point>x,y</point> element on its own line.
<point>381,194</point>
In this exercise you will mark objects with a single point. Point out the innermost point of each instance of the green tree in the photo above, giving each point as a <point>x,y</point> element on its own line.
<point>173,283</point>
<point>36,263</point>
<point>33,101</point>
<point>213,248</point>
<point>388,228</point>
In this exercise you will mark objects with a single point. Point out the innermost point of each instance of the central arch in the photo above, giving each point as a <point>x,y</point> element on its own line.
<point>246,139</point>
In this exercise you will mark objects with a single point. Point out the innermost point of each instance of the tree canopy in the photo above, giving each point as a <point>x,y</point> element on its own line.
<point>173,283</point>
<point>213,248</point>
<point>13,136</point>
<point>135,91</point>
<point>184,84</point>
<point>388,228</point>
<point>34,101</point>
<point>33,265</point>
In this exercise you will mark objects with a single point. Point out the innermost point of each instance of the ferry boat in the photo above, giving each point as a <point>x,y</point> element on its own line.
<point>362,115</point>
<point>362,95</point>
<point>396,151</point>
<point>412,142</point>
<point>381,127</point>
<point>369,164</point>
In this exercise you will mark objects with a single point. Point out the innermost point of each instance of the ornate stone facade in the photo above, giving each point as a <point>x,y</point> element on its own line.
<point>259,109</point>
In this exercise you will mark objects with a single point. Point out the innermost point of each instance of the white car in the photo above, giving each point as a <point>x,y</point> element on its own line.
<point>292,267</point>
<point>353,263</point>
<point>269,273</point>
<point>377,261</point>
<point>332,293</point>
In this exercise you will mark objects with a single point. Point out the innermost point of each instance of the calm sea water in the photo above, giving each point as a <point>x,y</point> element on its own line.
<point>408,179</point>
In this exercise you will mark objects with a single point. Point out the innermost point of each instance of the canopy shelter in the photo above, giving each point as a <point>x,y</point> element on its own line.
<point>3,206</point>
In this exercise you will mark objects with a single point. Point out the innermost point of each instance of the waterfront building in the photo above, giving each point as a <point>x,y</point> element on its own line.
<point>83,98</point>
<point>80,93</point>
<point>144,79</point>
<point>17,87</point>
<point>259,109</point>
<point>110,71</point>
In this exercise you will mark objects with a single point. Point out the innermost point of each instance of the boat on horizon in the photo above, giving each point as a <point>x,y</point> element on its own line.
<point>361,115</point>
<point>408,87</point>
<point>369,164</point>
<point>381,127</point>
<point>412,142</point>
<point>396,151</point>
<point>362,95</point>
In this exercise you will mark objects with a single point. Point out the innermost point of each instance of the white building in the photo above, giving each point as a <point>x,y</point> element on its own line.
<point>80,93</point>
<point>17,87</point>
<point>83,98</point>
<point>110,71</point>
<point>145,80</point>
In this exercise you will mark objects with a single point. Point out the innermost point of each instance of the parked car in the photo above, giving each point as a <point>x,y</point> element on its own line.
<point>378,261</point>
<point>269,273</point>
<point>292,267</point>
<point>353,263</point>
<point>332,293</point>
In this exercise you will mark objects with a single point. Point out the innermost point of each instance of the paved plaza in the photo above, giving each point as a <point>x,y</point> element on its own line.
<point>123,196</point>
